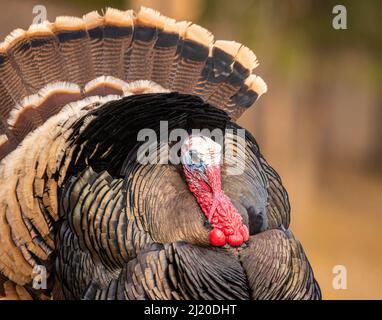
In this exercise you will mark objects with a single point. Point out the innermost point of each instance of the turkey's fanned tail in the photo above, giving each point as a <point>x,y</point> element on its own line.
<point>116,48</point>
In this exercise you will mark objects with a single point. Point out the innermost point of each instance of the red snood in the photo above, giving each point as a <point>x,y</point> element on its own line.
<point>227,224</point>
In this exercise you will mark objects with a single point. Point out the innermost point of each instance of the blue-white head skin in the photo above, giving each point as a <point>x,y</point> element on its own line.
<point>199,151</point>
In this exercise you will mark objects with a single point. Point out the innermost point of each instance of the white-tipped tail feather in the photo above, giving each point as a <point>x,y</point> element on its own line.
<point>256,84</point>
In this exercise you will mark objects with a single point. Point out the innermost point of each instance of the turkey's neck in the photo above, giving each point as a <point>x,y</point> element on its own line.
<point>217,207</point>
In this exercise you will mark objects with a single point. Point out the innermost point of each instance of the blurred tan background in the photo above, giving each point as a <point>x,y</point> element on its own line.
<point>318,125</point>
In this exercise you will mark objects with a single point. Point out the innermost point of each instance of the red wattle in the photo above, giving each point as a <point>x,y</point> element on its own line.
<point>235,240</point>
<point>227,224</point>
<point>217,238</point>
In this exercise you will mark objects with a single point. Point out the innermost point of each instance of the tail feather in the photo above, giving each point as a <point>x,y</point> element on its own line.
<point>243,66</point>
<point>36,109</point>
<point>11,80</point>
<point>21,54</point>
<point>94,25</point>
<point>46,52</point>
<point>117,36</point>
<point>182,27</point>
<point>104,86</point>
<point>192,58</point>
<point>52,98</point>
<point>164,52</point>
<point>24,118</point>
<point>250,90</point>
<point>6,100</point>
<point>218,67</point>
<point>117,53</point>
<point>146,26</point>
<point>74,48</point>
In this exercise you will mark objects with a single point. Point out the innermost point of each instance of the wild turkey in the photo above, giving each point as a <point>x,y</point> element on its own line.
<point>74,199</point>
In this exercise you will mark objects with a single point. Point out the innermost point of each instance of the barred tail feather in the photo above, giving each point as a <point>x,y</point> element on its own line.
<point>74,45</point>
<point>146,26</point>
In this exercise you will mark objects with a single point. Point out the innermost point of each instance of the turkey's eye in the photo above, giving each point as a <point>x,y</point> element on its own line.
<point>196,161</point>
<point>192,160</point>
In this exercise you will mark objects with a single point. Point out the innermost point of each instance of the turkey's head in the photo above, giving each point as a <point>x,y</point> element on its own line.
<point>201,160</point>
